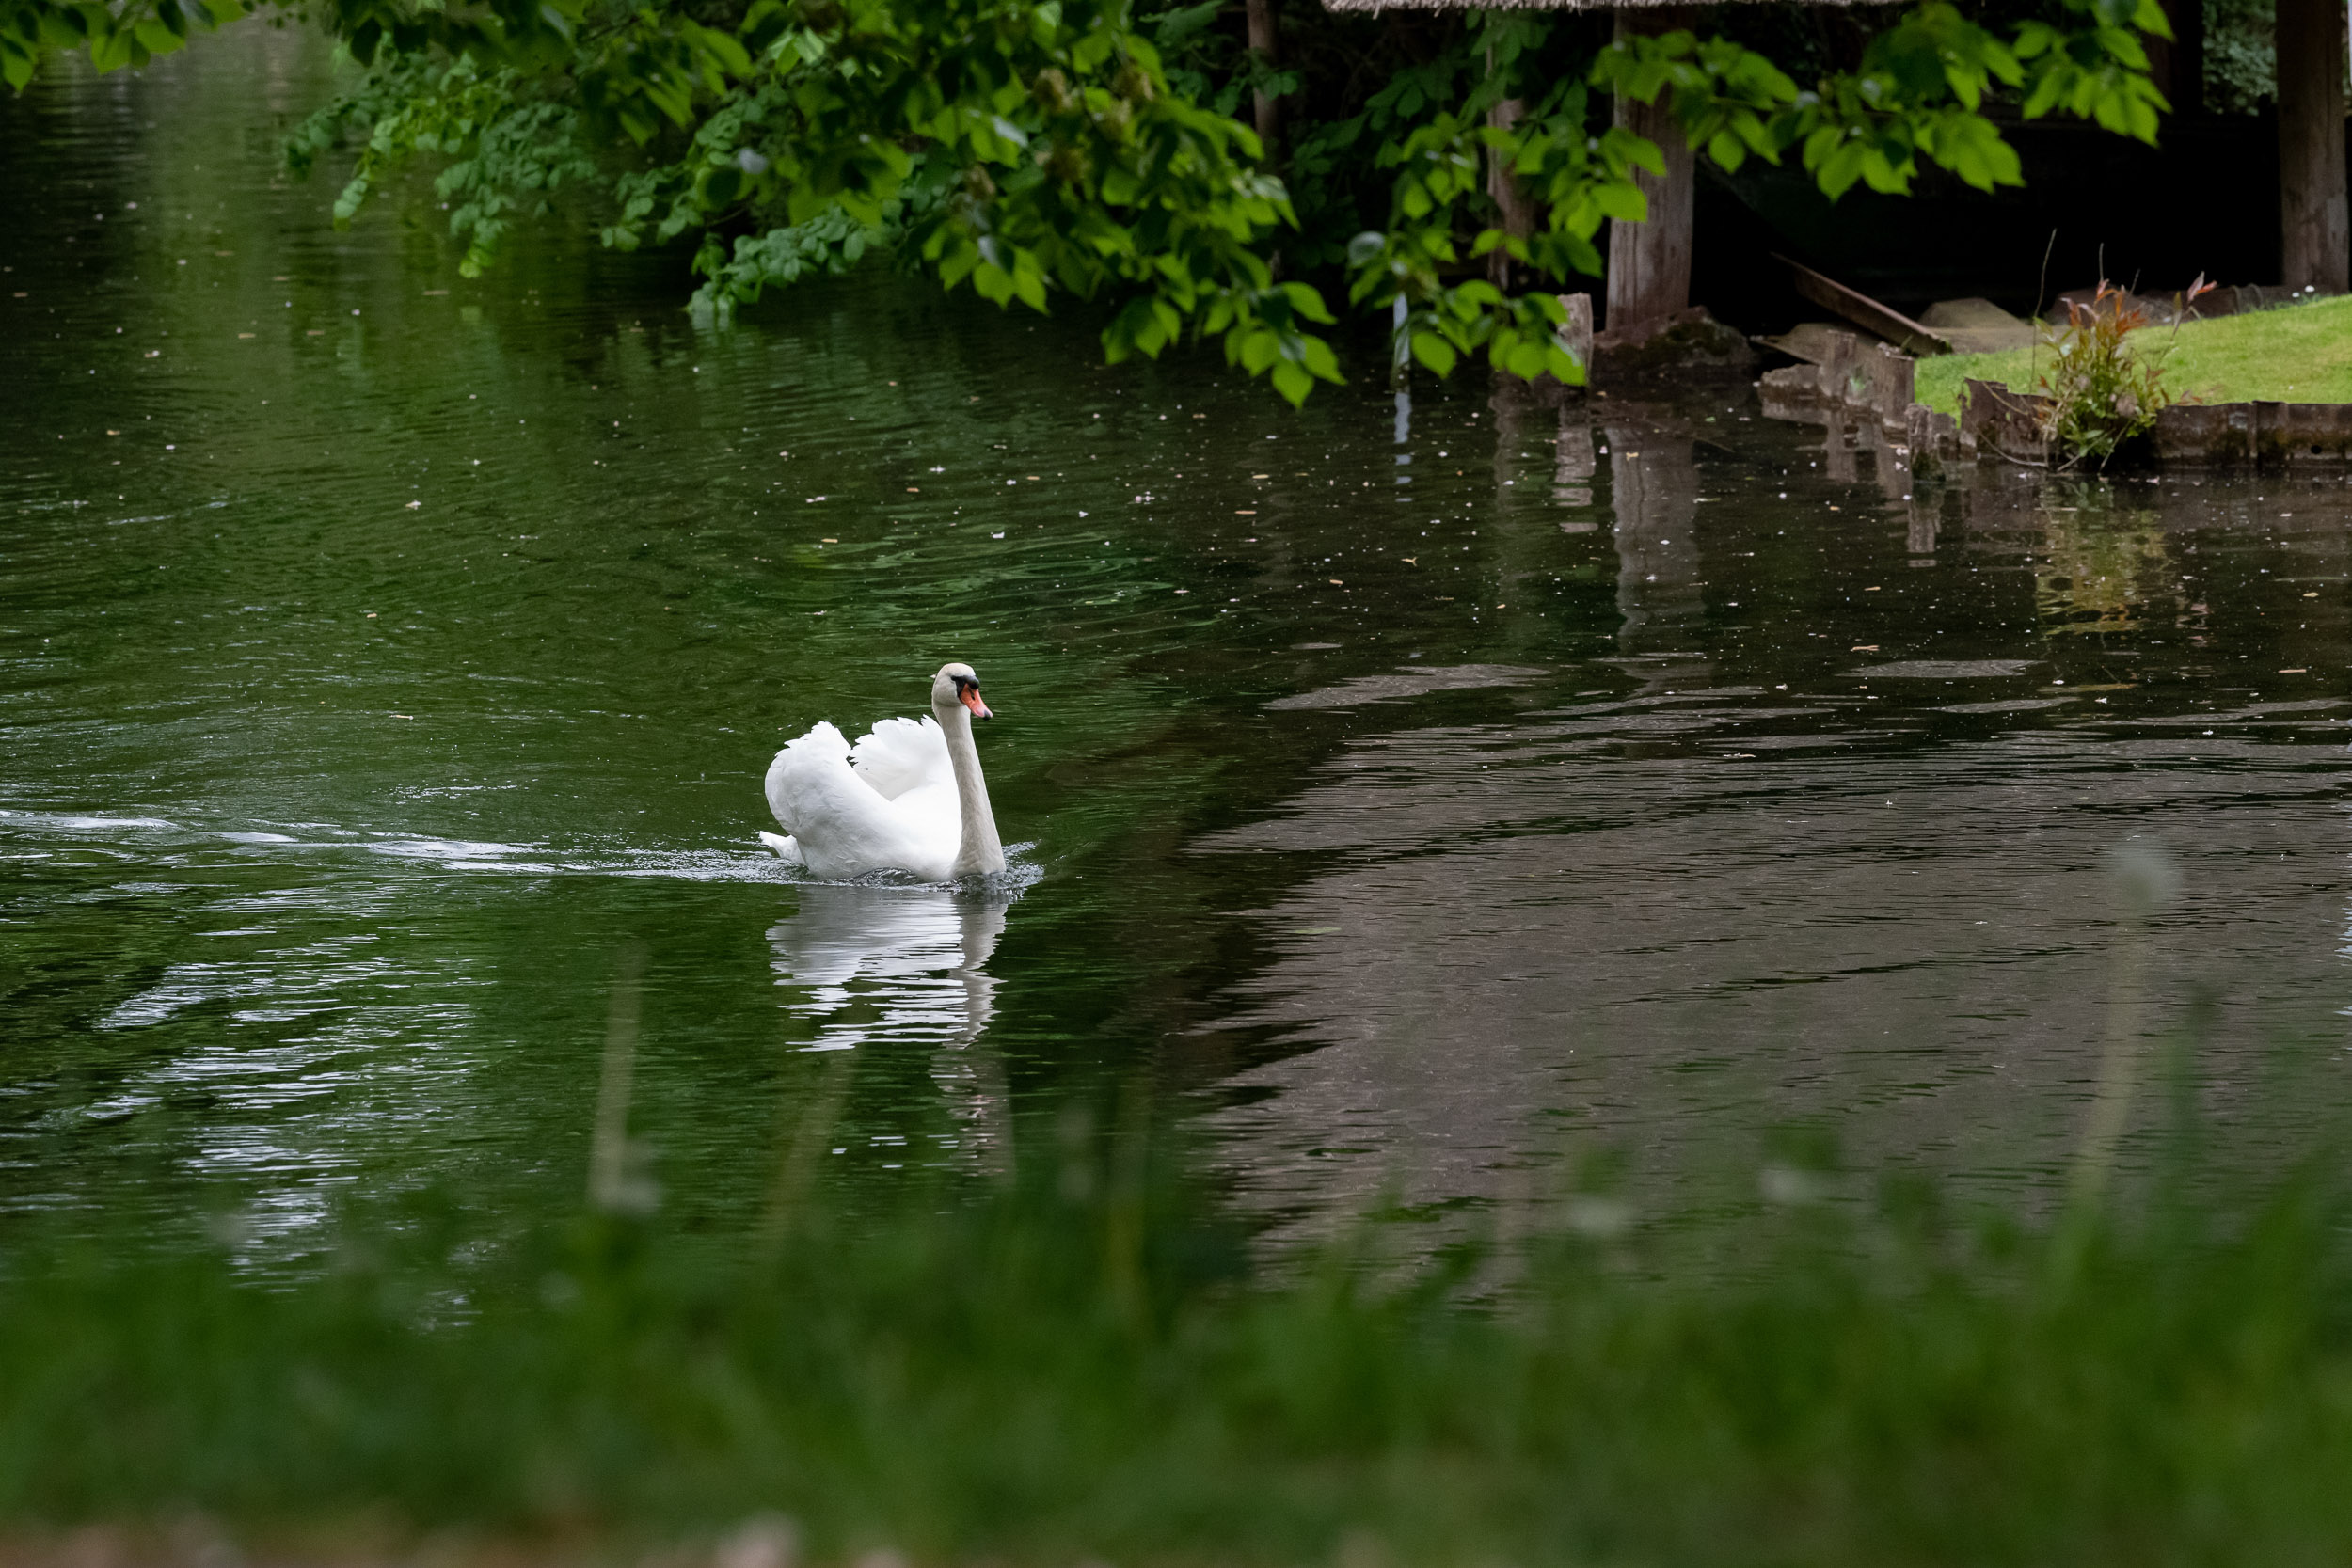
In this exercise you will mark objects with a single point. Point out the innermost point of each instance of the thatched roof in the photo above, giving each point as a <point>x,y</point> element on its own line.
<point>1371,7</point>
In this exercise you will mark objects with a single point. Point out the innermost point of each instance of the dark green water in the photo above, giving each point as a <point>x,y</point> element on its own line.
<point>1414,799</point>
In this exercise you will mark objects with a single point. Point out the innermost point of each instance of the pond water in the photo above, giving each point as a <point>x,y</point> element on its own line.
<point>1419,797</point>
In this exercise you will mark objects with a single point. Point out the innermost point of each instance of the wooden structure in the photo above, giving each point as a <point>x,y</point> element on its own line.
<point>1896,328</point>
<point>2315,238</point>
<point>1265,42</point>
<point>1649,263</point>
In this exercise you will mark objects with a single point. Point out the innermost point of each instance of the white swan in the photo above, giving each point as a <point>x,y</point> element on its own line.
<point>908,797</point>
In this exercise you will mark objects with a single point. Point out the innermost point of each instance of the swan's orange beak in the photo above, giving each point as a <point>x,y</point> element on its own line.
<point>970,697</point>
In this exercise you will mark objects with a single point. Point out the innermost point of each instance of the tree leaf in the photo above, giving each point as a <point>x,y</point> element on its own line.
<point>1435,351</point>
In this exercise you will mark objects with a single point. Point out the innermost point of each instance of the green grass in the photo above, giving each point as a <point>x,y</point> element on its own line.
<point>2302,354</point>
<point>1018,1380</point>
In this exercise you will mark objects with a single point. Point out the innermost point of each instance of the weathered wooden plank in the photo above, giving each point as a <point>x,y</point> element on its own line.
<point>1976,325</point>
<point>1576,333</point>
<point>2005,423</point>
<point>1864,311</point>
<point>2270,435</point>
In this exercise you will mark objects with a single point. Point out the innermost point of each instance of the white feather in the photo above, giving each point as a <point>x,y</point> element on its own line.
<point>899,754</point>
<point>842,826</point>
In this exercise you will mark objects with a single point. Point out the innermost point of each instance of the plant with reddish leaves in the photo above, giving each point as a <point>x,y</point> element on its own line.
<point>2103,390</point>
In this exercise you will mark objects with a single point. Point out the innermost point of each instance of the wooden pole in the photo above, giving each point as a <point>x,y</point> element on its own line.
<point>1649,263</point>
<point>1265,42</point>
<point>2315,230</point>
<point>2178,65</point>
<point>1514,210</point>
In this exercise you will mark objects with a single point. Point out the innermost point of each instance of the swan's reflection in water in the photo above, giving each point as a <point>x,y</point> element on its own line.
<point>904,967</point>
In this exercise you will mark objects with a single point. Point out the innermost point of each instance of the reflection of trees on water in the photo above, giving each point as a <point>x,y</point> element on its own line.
<point>2104,570</point>
<point>2097,568</point>
<point>904,967</point>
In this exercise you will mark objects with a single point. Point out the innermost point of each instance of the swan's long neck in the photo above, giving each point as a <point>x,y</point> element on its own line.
<point>982,852</point>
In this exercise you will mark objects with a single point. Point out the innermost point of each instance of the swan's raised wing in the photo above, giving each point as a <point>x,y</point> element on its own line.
<point>823,746</point>
<point>902,755</point>
<point>841,825</point>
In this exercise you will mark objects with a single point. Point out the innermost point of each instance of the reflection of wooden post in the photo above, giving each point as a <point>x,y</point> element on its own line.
<point>1265,42</point>
<point>2315,236</point>
<point>1919,537</point>
<point>1653,490</point>
<point>1573,464</point>
<point>1649,263</point>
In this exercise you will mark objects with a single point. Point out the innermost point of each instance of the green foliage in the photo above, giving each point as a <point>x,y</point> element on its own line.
<point>509,145</point>
<point>1727,99</point>
<point>2241,56</point>
<point>1029,149</point>
<point>1581,179</point>
<point>125,33</point>
<point>1919,92</point>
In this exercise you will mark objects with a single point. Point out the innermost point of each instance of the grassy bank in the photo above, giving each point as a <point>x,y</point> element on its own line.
<point>1013,1382</point>
<point>2302,354</point>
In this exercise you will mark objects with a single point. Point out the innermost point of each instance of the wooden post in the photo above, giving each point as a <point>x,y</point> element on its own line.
<point>2315,230</point>
<point>1515,212</point>
<point>1265,42</point>
<point>1576,333</point>
<point>2178,66</point>
<point>1649,263</point>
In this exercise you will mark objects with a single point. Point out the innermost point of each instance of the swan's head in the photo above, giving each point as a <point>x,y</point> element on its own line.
<point>955,683</point>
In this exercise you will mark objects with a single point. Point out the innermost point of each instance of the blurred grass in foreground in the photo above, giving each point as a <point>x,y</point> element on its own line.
<point>1018,1379</point>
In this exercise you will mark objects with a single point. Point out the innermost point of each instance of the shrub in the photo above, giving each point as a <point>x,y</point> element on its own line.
<point>2103,390</point>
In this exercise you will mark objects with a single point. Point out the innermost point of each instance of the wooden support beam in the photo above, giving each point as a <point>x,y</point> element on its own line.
<point>2314,227</point>
<point>1265,42</point>
<point>1861,309</point>
<point>2177,65</point>
<point>1514,210</point>
<point>1649,263</point>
